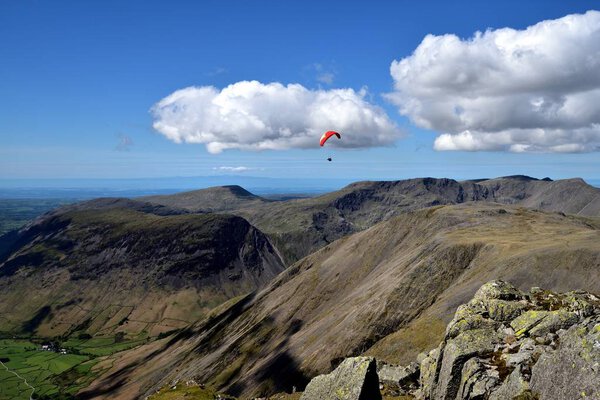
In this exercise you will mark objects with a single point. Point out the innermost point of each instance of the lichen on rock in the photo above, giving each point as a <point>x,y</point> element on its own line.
<point>503,344</point>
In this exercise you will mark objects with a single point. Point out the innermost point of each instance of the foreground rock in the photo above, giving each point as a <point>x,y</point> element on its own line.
<point>395,380</point>
<point>503,344</point>
<point>354,379</point>
<point>506,344</point>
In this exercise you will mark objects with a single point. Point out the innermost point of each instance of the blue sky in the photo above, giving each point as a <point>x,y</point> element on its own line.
<point>78,80</point>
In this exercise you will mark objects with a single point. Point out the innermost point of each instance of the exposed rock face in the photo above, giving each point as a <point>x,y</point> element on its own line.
<point>573,370</point>
<point>505,344</point>
<point>354,379</point>
<point>115,264</point>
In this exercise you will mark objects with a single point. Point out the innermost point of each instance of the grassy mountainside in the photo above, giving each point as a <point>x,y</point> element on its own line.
<point>218,198</point>
<point>300,227</point>
<point>102,270</point>
<point>389,291</point>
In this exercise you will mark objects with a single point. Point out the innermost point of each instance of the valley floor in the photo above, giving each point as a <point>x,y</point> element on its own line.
<point>32,372</point>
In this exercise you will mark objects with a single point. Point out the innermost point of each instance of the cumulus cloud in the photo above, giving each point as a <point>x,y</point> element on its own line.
<point>251,115</point>
<point>233,169</point>
<point>536,89</point>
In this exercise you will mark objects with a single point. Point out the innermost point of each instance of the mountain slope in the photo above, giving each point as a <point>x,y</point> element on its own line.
<point>104,266</point>
<point>300,227</point>
<point>407,274</point>
<point>218,198</point>
<point>570,196</point>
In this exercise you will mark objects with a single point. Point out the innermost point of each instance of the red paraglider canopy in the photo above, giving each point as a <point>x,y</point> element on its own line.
<point>327,135</point>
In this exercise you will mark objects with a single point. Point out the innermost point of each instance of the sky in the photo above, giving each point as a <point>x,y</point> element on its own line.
<point>154,89</point>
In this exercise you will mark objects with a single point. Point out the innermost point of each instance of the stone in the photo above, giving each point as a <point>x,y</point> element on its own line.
<point>474,343</point>
<point>527,344</point>
<point>507,330</point>
<point>504,310</point>
<point>543,340</point>
<point>514,387</point>
<point>526,321</point>
<point>540,323</point>
<point>402,379</point>
<point>569,372</point>
<point>468,317</point>
<point>580,303</point>
<point>354,379</point>
<point>427,376</point>
<point>554,320</point>
<point>498,290</point>
<point>476,380</point>
<point>522,357</point>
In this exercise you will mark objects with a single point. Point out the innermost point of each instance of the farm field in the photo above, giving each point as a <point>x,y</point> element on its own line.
<point>15,213</point>
<point>28,371</point>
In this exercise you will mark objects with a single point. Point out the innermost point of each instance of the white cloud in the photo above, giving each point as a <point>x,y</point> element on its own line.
<point>536,89</point>
<point>326,77</point>
<point>233,169</point>
<point>325,74</point>
<point>250,115</point>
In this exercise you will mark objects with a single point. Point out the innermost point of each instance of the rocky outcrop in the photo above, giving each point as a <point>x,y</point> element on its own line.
<point>506,344</point>
<point>354,379</point>
<point>396,380</point>
<point>573,370</point>
<point>503,344</point>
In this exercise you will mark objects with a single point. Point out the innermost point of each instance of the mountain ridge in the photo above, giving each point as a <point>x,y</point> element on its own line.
<point>300,227</point>
<point>406,273</point>
<point>216,198</point>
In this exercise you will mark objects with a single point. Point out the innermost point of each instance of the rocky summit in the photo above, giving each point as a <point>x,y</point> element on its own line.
<point>502,344</point>
<point>506,344</point>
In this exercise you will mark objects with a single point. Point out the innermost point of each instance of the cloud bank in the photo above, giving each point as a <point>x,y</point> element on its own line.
<point>250,115</point>
<point>233,169</point>
<point>532,90</point>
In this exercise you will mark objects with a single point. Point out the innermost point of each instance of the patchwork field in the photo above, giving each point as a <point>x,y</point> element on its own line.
<point>28,371</point>
<point>14,213</point>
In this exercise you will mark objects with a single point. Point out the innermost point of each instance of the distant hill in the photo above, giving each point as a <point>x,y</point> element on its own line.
<point>388,291</point>
<point>114,265</point>
<point>571,196</point>
<point>218,198</point>
<point>300,227</point>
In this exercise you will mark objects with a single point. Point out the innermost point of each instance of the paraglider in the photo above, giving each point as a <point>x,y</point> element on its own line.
<point>326,137</point>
